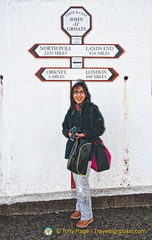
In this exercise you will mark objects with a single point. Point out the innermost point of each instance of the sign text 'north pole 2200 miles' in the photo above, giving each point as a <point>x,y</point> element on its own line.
<point>67,74</point>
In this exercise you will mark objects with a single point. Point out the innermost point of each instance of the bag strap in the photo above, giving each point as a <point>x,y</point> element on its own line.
<point>91,115</point>
<point>96,139</point>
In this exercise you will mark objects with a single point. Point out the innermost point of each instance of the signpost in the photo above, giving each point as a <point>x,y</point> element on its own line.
<point>76,22</point>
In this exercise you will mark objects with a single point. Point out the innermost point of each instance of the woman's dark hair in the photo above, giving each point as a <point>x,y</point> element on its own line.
<point>85,88</point>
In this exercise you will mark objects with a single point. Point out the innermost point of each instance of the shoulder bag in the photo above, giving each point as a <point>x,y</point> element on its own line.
<point>101,159</point>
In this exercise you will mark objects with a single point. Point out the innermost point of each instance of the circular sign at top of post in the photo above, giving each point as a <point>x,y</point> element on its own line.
<point>76,21</point>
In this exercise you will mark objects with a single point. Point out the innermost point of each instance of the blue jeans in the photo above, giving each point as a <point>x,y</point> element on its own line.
<point>84,203</point>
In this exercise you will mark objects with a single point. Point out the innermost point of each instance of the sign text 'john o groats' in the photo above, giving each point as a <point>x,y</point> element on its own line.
<point>76,22</point>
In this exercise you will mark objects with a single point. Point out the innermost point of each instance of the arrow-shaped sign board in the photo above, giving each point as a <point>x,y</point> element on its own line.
<point>85,50</point>
<point>68,74</point>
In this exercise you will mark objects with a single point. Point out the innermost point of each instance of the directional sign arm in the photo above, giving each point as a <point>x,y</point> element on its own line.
<point>76,50</point>
<point>68,74</point>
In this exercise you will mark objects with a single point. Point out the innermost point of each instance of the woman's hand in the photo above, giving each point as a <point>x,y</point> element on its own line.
<point>69,134</point>
<point>79,135</point>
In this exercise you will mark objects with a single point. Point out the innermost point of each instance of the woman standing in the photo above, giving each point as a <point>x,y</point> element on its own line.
<point>78,116</point>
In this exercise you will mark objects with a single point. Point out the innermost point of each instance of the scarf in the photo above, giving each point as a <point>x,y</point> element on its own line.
<point>78,107</point>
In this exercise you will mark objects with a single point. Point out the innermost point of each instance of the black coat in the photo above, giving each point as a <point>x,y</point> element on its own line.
<point>81,119</point>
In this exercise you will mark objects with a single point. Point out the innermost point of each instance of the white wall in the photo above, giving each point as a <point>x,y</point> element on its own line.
<point>32,146</point>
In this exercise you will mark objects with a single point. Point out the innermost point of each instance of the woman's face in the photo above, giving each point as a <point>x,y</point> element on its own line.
<point>79,95</point>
